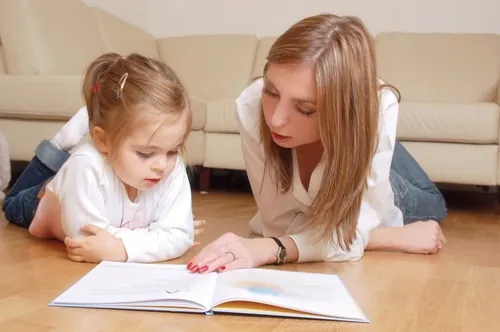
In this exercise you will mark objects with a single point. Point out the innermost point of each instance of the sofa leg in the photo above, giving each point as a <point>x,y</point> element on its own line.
<point>204,179</point>
<point>497,201</point>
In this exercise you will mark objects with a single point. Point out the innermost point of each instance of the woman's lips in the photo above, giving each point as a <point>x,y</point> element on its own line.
<point>279,137</point>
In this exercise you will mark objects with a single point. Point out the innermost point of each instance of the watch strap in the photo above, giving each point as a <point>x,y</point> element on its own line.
<point>278,241</point>
<point>281,254</point>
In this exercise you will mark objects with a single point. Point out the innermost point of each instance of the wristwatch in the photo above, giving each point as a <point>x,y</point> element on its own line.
<point>281,254</point>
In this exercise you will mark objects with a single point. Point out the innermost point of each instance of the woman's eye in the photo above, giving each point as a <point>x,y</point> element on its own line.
<point>304,112</point>
<point>269,92</point>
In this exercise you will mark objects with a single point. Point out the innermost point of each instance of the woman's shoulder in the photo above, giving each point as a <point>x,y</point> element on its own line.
<point>248,107</point>
<point>388,95</point>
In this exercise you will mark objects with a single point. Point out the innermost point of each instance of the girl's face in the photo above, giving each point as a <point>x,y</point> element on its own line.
<point>289,104</point>
<point>149,153</point>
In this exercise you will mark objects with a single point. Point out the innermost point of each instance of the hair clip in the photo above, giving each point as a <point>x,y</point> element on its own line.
<point>121,84</point>
<point>96,87</point>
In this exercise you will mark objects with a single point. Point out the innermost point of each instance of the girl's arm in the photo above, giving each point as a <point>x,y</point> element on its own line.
<point>81,191</point>
<point>172,234</point>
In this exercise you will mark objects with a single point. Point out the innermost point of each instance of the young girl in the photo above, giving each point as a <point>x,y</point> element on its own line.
<point>125,195</point>
<point>319,142</point>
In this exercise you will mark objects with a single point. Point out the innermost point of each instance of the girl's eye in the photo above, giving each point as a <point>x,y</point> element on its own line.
<point>143,155</point>
<point>172,153</point>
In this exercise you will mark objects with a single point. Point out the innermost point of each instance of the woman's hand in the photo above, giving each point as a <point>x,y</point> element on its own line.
<point>98,246</point>
<point>422,237</point>
<point>230,252</point>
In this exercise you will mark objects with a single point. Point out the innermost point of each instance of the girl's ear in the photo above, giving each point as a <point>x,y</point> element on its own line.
<point>100,139</point>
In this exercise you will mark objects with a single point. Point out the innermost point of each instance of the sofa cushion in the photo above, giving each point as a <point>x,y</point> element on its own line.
<point>458,123</point>
<point>199,111</point>
<point>3,70</point>
<point>440,67</point>
<point>123,38</point>
<point>221,116</point>
<point>48,37</point>
<point>265,44</point>
<point>498,94</point>
<point>39,97</point>
<point>211,66</point>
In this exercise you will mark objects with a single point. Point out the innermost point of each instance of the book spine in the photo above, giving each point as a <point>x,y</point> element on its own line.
<point>209,313</point>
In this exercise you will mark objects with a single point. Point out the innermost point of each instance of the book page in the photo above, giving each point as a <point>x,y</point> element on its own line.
<point>136,284</point>
<point>319,294</point>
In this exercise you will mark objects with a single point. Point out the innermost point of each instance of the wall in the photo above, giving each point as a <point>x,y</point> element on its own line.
<point>270,17</point>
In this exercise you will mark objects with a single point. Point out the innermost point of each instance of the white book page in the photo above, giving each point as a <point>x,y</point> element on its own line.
<point>136,283</point>
<point>319,294</point>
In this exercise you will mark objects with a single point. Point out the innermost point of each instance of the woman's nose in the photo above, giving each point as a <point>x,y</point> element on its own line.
<point>280,116</point>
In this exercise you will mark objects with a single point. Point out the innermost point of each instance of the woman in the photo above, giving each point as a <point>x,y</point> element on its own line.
<point>318,136</point>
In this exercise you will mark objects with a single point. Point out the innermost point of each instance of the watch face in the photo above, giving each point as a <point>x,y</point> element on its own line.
<point>282,255</point>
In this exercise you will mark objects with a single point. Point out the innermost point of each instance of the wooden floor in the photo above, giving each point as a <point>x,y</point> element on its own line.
<point>456,290</point>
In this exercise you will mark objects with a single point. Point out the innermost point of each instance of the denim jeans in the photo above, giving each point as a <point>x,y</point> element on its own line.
<point>22,200</point>
<point>415,194</point>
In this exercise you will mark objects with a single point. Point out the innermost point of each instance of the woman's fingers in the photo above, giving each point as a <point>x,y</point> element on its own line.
<point>234,265</point>
<point>212,251</point>
<point>209,260</point>
<point>222,260</point>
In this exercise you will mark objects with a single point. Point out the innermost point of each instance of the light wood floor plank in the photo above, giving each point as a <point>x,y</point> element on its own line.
<point>456,290</point>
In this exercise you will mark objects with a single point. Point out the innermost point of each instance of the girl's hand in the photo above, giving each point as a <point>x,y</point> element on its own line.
<point>198,229</point>
<point>230,252</point>
<point>96,247</point>
<point>422,237</point>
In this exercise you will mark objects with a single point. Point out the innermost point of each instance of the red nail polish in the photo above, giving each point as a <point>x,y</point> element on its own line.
<point>203,269</point>
<point>189,266</point>
<point>195,269</point>
<point>222,268</point>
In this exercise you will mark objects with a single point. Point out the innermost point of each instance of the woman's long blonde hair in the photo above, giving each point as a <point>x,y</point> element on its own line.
<point>342,52</point>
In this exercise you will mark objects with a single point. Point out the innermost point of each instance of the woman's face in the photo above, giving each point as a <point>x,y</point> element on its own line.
<point>289,104</point>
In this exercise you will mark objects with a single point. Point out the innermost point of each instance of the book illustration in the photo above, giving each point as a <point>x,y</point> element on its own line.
<point>284,287</point>
<point>258,287</point>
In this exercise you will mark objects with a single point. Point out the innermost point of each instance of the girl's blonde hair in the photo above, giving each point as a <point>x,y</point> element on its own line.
<point>117,88</point>
<point>342,53</point>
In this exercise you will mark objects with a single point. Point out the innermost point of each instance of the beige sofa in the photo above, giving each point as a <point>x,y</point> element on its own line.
<point>449,83</point>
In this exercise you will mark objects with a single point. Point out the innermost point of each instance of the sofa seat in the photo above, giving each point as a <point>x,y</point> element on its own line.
<point>475,123</point>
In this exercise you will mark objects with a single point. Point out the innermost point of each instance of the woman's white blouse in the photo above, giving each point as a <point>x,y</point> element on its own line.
<point>282,214</point>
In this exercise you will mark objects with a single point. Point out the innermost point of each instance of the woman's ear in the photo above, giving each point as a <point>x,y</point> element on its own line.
<point>100,139</point>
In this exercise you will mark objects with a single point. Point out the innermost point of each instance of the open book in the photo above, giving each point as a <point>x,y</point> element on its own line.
<point>167,287</point>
